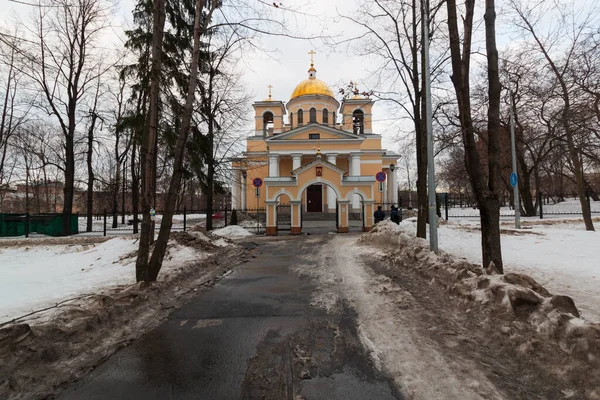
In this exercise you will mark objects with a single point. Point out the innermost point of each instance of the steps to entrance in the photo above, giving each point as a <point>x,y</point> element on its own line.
<point>318,216</point>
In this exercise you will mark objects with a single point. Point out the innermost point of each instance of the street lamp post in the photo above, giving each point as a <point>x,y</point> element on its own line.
<point>433,237</point>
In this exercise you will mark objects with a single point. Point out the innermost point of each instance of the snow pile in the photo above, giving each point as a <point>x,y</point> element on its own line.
<point>232,231</point>
<point>89,304</point>
<point>511,297</point>
<point>37,276</point>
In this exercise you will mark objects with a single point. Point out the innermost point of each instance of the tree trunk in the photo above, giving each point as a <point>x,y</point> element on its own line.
<point>115,195</point>
<point>160,246</point>
<point>492,249</point>
<point>135,194</point>
<point>486,195</point>
<point>148,144</point>
<point>90,170</point>
<point>69,184</point>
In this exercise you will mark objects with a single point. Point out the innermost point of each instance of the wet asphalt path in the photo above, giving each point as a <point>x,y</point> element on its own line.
<point>253,336</point>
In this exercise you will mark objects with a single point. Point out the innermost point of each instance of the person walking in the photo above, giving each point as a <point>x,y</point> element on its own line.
<point>395,215</point>
<point>379,215</point>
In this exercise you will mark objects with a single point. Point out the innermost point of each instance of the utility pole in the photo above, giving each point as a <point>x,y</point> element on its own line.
<point>433,237</point>
<point>513,146</point>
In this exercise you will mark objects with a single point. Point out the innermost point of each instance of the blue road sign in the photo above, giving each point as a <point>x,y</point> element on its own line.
<point>513,179</point>
<point>257,182</point>
<point>380,176</point>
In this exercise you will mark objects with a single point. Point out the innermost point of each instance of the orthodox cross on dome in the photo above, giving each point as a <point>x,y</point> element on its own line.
<point>270,87</point>
<point>312,60</point>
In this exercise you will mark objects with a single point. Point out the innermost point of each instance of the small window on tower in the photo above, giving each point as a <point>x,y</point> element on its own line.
<point>315,136</point>
<point>300,117</point>
<point>291,120</point>
<point>325,117</point>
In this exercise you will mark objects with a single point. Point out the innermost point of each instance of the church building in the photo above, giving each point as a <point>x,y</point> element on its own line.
<point>314,154</point>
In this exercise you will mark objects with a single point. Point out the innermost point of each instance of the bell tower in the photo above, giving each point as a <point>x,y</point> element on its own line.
<point>268,116</point>
<point>356,114</point>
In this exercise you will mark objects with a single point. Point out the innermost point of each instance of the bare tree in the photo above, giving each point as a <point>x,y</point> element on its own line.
<point>486,193</point>
<point>527,19</point>
<point>63,61</point>
<point>392,32</point>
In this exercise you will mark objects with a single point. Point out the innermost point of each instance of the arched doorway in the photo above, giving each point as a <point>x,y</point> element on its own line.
<point>319,206</point>
<point>283,213</point>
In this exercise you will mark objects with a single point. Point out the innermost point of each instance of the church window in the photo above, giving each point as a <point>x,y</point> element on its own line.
<point>333,118</point>
<point>325,116</point>
<point>314,136</point>
<point>300,117</point>
<point>358,122</point>
<point>268,123</point>
<point>313,115</point>
<point>291,120</point>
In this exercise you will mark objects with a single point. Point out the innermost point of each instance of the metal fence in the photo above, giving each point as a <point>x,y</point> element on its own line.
<point>253,220</point>
<point>453,207</point>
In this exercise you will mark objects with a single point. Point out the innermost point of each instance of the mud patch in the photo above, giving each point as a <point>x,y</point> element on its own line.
<point>325,359</point>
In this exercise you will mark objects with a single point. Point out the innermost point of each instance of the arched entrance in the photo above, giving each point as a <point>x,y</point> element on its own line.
<point>319,208</point>
<point>335,190</point>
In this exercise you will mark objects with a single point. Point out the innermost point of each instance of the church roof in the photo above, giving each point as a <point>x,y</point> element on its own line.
<point>312,86</point>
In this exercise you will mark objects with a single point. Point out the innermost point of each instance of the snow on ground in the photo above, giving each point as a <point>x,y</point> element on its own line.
<point>37,276</point>
<point>232,231</point>
<point>385,326</point>
<point>562,257</point>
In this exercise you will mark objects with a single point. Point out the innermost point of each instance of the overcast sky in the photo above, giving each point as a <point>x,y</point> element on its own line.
<point>287,61</point>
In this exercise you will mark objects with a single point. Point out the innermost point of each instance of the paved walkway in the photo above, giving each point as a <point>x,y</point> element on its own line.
<point>253,336</point>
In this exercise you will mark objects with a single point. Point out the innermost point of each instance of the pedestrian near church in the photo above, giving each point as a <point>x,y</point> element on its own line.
<point>395,215</point>
<point>379,215</point>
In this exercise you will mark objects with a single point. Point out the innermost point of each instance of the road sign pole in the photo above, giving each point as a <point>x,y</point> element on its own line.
<point>514,165</point>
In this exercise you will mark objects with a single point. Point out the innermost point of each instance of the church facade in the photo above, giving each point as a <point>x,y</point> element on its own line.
<point>314,154</point>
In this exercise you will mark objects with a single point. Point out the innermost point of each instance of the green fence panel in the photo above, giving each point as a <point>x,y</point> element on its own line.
<point>45,224</point>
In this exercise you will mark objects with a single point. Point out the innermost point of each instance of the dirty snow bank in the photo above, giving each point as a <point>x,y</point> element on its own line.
<point>385,327</point>
<point>34,277</point>
<point>232,231</point>
<point>514,297</point>
<point>45,351</point>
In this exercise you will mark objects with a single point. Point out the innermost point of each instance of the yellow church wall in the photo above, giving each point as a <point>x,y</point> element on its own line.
<point>371,144</point>
<point>256,146</point>
<point>285,166</point>
<point>343,163</point>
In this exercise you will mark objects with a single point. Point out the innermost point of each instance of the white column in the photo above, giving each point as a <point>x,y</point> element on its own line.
<point>355,168</point>
<point>355,164</point>
<point>331,197</point>
<point>385,192</point>
<point>394,189</point>
<point>243,184</point>
<point>390,193</point>
<point>296,160</point>
<point>273,165</point>
<point>235,190</point>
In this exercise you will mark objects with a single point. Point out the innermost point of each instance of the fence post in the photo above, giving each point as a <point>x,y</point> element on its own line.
<point>225,215</point>
<point>27,224</point>
<point>541,206</point>
<point>104,229</point>
<point>184,218</point>
<point>446,204</point>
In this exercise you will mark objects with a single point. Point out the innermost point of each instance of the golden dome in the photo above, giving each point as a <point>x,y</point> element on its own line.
<point>312,86</point>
